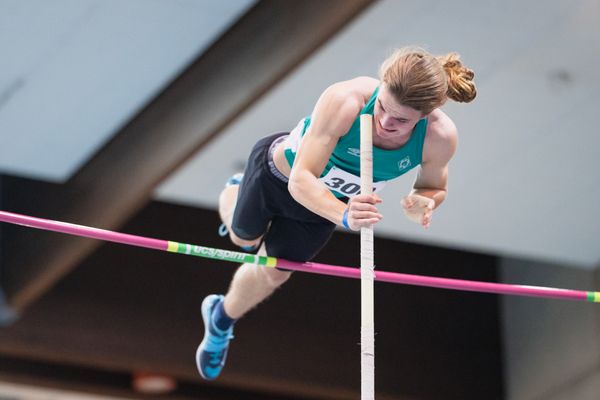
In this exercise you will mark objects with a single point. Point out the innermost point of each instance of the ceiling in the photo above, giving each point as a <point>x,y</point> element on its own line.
<point>75,72</point>
<point>522,183</point>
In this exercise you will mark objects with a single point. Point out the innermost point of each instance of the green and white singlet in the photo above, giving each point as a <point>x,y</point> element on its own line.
<point>342,173</point>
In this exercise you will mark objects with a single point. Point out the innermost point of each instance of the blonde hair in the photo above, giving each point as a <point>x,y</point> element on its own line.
<point>419,80</point>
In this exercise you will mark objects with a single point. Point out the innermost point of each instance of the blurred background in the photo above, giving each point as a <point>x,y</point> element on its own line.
<point>130,115</point>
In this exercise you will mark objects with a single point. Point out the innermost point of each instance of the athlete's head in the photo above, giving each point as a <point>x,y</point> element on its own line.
<point>414,83</point>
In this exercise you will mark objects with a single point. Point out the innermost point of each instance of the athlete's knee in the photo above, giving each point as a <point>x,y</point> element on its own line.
<point>274,277</point>
<point>235,239</point>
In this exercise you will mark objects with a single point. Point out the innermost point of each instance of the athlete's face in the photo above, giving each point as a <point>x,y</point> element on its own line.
<point>392,119</point>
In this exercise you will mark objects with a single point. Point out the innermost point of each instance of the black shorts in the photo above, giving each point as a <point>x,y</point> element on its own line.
<point>265,205</point>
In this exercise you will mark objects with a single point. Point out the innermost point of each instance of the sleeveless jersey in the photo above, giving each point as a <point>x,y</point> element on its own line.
<point>342,173</point>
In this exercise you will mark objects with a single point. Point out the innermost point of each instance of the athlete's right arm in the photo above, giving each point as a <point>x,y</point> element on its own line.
<point>332,117</point>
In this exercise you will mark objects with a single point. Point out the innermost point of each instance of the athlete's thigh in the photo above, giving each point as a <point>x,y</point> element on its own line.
<point>297,240</point>
<point>252,211</point>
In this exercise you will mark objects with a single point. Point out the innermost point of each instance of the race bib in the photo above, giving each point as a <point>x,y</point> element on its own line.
<point>345,183</point>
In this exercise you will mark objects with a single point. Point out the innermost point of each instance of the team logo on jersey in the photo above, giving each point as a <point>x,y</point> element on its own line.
<point>404,163</point>
<point>354,152</point>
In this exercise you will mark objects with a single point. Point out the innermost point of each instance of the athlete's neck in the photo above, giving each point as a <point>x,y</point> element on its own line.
<point>390,143</point>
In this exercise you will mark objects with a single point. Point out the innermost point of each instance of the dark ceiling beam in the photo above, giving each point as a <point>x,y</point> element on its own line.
<point>263,47</point>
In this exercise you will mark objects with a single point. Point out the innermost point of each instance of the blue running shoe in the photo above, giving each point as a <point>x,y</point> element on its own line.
<point>212,352</point>
<point>235,179</point>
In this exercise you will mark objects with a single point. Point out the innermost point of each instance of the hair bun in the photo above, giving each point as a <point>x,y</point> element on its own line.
<point>461,87</point>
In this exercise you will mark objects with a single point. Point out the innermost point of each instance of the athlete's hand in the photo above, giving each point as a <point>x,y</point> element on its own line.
<point>418,209</point>
<point>362,211</point>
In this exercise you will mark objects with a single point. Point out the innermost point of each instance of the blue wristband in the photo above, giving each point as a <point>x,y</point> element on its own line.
<point>345,219</point>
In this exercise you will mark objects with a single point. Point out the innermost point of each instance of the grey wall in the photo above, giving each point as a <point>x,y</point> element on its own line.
<point>552,347</point>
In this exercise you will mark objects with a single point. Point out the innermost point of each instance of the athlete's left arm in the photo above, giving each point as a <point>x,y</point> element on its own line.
<point>430,187</point>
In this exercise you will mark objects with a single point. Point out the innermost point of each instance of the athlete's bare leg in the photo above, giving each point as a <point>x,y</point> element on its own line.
<point>251,285</point>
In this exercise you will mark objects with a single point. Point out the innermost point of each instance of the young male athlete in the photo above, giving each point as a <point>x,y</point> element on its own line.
<point>298,186</point>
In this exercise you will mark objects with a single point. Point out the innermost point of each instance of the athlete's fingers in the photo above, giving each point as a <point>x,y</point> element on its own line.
<point>426,220</point>
<point>363,207</point>
<point>366,198</point>
<point>371,221</point>
<point>359,215</point>
<point>366,222</point>
<point>407,203</point>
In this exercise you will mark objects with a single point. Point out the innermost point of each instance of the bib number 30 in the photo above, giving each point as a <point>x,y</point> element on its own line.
<point>345,183</point>
<point>346,188</point>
